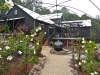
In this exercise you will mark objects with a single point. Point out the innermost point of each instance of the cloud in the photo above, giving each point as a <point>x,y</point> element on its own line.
<point>83,5</point>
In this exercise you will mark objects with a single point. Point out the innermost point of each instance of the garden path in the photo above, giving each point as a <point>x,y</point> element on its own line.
<point>56,64</point>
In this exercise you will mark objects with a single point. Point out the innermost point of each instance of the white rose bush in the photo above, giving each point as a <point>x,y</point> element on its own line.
<point>84,58</point>
<point>19,46</point>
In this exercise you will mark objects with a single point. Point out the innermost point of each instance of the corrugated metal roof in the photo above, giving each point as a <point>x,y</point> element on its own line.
<point>35,15</point>
<point>82,23</point>
<point>52,16</point>
<point>16,18</point>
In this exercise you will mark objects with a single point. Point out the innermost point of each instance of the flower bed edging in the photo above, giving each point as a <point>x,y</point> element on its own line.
<point>37,68</point>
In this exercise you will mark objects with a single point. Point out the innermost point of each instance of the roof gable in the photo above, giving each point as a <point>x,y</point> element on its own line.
<point>52,16</point>
<point>82,23</point>
<point>33,14</point>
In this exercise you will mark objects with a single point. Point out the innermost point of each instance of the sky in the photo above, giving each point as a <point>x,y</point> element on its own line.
<point>83,5</point>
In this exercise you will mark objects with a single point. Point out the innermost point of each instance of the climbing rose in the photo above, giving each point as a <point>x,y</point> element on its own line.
<point>39,28</point>
<point>34,51</point>
<point>90,41</point>
<point>19,52</point>
<point>9,4</point>
<point>84,61</point>
<point>95,72</point>
<point>7,47</point>
<point>32,35</point>
<point>36,30</point>
<point>0,48</point>
<point>92,73</point>
<point>9,57</point>
<point>0,56</point>
<point>79,63</point>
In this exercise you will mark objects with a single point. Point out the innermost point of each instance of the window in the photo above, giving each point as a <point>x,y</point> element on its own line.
<point>57,21</point>
<point>15,12</point>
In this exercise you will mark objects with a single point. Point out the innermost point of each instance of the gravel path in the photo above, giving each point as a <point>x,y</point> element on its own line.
<point>56,64</point>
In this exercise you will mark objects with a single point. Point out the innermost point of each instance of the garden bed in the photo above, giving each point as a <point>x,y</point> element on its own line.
<point>29,69</point>
<point>86,60</point>
<point>20,53</point>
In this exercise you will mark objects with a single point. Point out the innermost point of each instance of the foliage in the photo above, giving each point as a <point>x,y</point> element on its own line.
<point>23,28</point>
<point>42,11</point>
<point>36,4</point>
<point>27,46</point>
<point>68,16</point>
<point>6,29</point>
<point>17,1</point>
<point>84,58</point>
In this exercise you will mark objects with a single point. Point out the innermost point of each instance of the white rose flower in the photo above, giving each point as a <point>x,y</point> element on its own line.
<point>31,39</point>
<point>92,73</point>
<point>79,63</point>
<point>82,46</point>
<point>21,41</point>
<point>9,4</point>
<point>26,36</point>
<point>39,28</point>
<point>90,41</point>
<point>44,32</point>
<point>84,61</point>
<point>9,57</point>
<point>76,57</point>
<point>37,43</point>
<point>34,51</point>
<point>0,48</point>
<point>95,72</point>
<point>86,51</point>
<point>32,35</point>
<point>36,30</point>
<point>7,47</point>
<point>0,56</point>
<point>83,39</point>
<point>19,52</point>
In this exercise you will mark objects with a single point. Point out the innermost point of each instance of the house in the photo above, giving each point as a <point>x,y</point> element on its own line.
<point>72,30</point>
<point>55,17</point>
<point>20,15</point>
<point>66,31</point>
<point>53,24</point>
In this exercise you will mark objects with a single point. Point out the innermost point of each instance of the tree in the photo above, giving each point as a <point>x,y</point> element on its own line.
<point>37,4</point>
<point>2,11</point>
<point>57,11</point>
<point>84,16</point>
<point>33,4</point>
<point>64,9</point>
<point>17,1</point>
<point>42,11</point>
<point>70,16</point>
<point>45,11</point>
<point>97,17</point>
